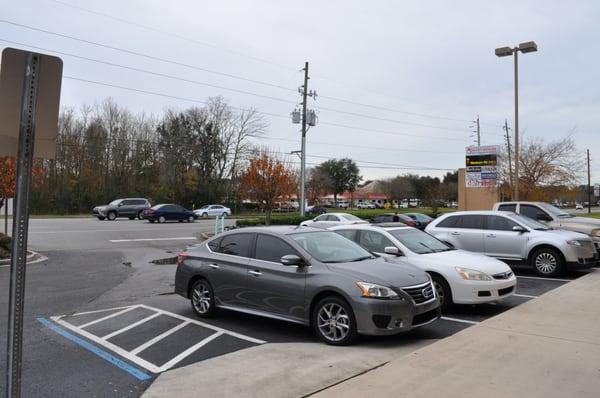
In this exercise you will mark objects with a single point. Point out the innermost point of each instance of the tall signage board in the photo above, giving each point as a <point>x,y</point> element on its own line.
<point>481,166</point>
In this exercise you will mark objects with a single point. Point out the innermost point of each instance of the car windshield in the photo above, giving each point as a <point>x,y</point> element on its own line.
<point>529,222</point>
<point>330,247</point>
<point>555,211</point>
<point>115,202</point>
<point>419,242</point>
<point>350,217</point>
<point>204,207</point>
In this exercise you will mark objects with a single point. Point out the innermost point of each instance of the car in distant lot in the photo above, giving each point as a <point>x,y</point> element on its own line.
<point>327,220</point>
<point>578,206</point>
<point>555,218</point>
<point>394,218</point>
<point>423,219</point>
<point>285,208</point>
<point>128,207</point>
<point>459,276</point>
<point>316,210</point>
<point>169,212</point>
<point>364,205</point>
<point>514,238</point>
<point>213,211</point>
<point>308,276</point>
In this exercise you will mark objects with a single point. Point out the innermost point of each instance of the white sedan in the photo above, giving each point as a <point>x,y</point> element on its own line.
<point>213,211</point>
<point>460,277</point>
<point>333,219</point>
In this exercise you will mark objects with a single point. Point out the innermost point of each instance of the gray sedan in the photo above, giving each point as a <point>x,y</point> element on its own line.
<point>307,276</point>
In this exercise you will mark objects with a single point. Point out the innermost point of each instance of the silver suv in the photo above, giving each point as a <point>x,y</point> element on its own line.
<point>514,238</point>
<point>129,207</point>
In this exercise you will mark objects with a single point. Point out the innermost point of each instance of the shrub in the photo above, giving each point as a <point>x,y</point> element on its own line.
<point>5,242</point>
<point>275,220</point>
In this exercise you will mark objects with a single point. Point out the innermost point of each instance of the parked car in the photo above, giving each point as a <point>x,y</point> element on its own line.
<point>332,219</point>
<point>459,276</point>
<point>364,205</point>
<point>285,208</point>
<point>395,217</point>
<point>316,210</point>
<point>555,218</point>
<point>169,212</point>
<point>213,211</point>
<point>424,219</point>
<point>128,207</point>
<point>308,276</point>
<point>578,206</point>
<point>514,238</point>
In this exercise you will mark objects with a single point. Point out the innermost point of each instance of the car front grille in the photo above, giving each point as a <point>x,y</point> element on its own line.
<point>420,293</point>
<point>425,317</point>
<point>503,275</point>
<point>505,291</point>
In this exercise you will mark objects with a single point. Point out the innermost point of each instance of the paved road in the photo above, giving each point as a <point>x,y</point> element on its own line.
<point>137,327</point>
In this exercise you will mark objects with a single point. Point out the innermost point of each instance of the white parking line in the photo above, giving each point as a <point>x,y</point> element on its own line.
<point>524,295</point>
<point>150,239</point>
<point>132,354</point>
<point>545,279</point>
<point>447,318</point>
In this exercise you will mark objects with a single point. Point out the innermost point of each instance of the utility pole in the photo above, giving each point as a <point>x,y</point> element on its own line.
<point>516,185</point>
<point>303,148</point>
<point>510,176</point>
<point>589,183</point>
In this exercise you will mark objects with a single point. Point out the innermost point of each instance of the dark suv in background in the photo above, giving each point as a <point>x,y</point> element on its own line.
<point>129,207</point>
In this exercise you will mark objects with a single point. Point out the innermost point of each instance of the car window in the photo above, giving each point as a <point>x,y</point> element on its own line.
<point>350,217</point>
<point>532,211</point>
<point>179,208</point>
<point>419,242</point>
<point>374,241</point>
<point>498,223</point>
<point>321,218</point>
<point>329,247</point>
<point>470,221</point>
<point>217,207</point>
<point>168,208</point>
<point>204,207</point>
<point>512,208</point>
<point>214,244</point>
<point>236,245</point>
<point>333,218</point>
<point>127,202</point>
<point>347,233</point>
<point>449,222</point>
<point>270,248</point>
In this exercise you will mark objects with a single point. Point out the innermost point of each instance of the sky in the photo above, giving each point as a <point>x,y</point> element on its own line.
<point>399,83</point>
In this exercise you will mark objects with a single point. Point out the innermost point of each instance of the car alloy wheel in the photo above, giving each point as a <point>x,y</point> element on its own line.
<point>224,214</point>
<point>443,291</point>
<point>202,298</point>
<point>161,219</point>
<point>140,215</point>
<point>112,216</point>
<point>547,262</point>
<point>204,215</point>
<point>334,321</point>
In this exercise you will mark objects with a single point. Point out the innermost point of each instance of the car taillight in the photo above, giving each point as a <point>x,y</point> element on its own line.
<point>181,258</point>
<point>411,223</point>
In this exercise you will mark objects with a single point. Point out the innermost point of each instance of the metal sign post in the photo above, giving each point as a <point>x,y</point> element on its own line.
<point>20,225</point>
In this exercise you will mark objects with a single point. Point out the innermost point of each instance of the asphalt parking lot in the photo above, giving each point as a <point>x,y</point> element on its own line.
<point>106,320</point>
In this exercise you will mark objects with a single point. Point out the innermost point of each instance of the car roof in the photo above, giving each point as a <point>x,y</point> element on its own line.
<point>278,229</point>
<point>521,202</point>
<point>373,227</point>
<point>340,214</point>
<point>477,212</point>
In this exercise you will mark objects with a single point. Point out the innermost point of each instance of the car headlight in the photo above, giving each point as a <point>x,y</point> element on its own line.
<point>472,275</point>
<point>574,243</point>
<point>373,290</point>
<point>595,232</point>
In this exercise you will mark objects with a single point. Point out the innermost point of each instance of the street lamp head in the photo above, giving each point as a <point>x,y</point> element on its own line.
<point>528,47</point>
<point>504,51</point>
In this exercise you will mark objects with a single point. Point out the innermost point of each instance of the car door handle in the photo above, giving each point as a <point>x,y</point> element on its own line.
<point>214,266</point>
<point>255,273</point>
<point>490,235</point>
<point>455,233</point>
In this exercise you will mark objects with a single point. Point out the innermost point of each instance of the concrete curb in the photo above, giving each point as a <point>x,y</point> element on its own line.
<point>32,258</point>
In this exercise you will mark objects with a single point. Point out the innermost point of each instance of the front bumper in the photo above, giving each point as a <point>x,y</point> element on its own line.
<point>479,292</point>
<point>386,317</point>
<point>581,256</point>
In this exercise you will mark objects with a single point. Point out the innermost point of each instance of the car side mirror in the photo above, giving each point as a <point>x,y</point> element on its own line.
<point>291,259</point>
<point>543,217</point>
<point>518,228</point>
<point>392,250</point>
<point>120,204</point>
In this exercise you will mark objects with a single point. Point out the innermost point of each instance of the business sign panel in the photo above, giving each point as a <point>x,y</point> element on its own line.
<point>481,166</point>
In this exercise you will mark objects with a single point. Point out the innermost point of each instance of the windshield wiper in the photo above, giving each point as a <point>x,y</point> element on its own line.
<point>362,258</point>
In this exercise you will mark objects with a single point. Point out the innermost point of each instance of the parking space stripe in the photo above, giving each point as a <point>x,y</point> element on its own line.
<point>545,279</point>
<point>150,239</point>
<point>107,317</point>
<point>447,318</point>
<point>524,295</point>
<point>126,328</point>
<point>158,338</point>
<point>95,350</point>
<point>189,351</point>
<point>99,311</point>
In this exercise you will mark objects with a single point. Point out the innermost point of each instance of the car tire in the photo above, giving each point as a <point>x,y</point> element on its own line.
<point>101,218</point>
<point>547,262</point>
<point>442,288</point>
<point>140,215</point>
<point>202,299</point>
<point>224,214</point>
<point>343,329</point>
<point>204,215</point>
<point>162,219</point>
<point>112,216</point>
<point>132,218</point>
<point>190,219</point>
<point>151,221</point>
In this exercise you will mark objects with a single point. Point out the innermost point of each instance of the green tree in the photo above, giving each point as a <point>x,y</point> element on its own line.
<point>343,175</point>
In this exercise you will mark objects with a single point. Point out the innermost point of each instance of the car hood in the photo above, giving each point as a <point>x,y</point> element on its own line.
<point>382,271</point>
<point>579,224</point>
<point>460,258</point>
<point>566,234</point>
<point>101,207</point>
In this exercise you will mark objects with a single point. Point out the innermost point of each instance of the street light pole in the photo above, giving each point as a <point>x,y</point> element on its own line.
<point>527,47</point>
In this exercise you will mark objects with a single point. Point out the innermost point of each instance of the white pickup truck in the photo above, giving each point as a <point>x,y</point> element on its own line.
<point>555,218</point>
